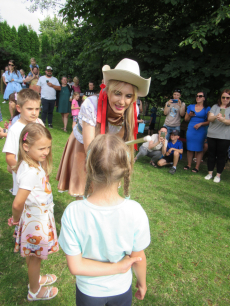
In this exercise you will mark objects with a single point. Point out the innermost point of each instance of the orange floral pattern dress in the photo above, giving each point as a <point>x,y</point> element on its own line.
<point>36,234</point>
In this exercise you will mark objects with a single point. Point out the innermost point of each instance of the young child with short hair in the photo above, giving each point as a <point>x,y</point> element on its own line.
<point>28,105</point>
<point>12,107</point>
<point>75,107</point>
<point>32,209</point>
<point>173,153</point>
<point>33,64</point>
<point>105,227</point>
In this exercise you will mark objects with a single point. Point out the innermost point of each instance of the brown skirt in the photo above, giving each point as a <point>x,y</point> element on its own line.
<point>71,172</point>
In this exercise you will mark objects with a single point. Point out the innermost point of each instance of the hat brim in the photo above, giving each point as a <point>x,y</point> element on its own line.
<point>128,77</point>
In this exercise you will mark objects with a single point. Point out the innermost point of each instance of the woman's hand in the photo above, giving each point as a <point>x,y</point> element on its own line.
<point>197,126</point>
<point>220,118</point>
<point>179,102</point>
<point>12,80</point>
<point>192,114</point>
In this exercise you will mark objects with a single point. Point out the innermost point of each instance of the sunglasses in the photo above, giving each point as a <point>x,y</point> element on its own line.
<point>10,64</point>
<point>227,98</point>
<point>177,90</point>
<point>199,96</point>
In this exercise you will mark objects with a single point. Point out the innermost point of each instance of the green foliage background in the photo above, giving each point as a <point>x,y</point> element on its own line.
<point>19,45</point>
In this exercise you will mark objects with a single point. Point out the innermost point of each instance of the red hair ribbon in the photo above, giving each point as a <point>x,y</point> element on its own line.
<point>102,108</point>
<point>135,130</point>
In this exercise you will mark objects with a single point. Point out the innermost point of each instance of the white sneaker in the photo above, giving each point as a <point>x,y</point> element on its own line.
<point>216,179</point>
<point>208,177</point>
<point>4,102</point>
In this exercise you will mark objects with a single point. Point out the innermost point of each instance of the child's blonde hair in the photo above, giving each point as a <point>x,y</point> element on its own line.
<point>76,93</point>
<point>27,94</point>
<point>75,79</point>
<point>33,59</point>
<point>29,135</point>
<point>108,161</point>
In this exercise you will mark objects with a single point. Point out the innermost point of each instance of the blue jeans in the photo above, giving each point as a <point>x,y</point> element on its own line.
<point>170,129</point>
<point>47,108</point>
<point>124,299</point>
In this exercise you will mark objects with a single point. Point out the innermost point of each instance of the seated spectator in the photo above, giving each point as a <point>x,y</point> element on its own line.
<point>154,148</point>
<point>174,152</point>
<point>174,110</point>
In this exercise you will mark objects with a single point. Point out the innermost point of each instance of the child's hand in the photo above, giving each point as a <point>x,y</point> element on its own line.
<point>11,222</point>
<point>140,294</point>
<point>126,263</point>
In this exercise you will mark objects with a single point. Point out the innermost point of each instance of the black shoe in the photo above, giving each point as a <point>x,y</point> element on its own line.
<point>172,170</point>
<point>50,126</point>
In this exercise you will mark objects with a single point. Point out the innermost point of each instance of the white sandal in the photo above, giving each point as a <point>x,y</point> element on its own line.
<point>49,277</point>
<point>46,283</point>
<point>46,295</point>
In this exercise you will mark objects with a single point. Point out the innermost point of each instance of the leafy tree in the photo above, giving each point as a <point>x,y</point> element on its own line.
<point>156,33</point>
<point>179,43</point>
<point>24,43</point>
<point>8,51</point>
<point>14,35</point>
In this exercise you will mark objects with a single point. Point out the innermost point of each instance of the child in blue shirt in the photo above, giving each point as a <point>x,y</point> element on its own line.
<point>104,227</point>
<point>174,152</point>
<point>33,64</point>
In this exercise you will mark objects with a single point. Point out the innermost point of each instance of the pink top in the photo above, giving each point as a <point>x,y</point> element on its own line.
<point>76,88</point>
<point>75,112</point>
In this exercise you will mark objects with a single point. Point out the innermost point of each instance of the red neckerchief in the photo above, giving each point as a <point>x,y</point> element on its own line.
<point>102,108</point>
<point>135,130</point>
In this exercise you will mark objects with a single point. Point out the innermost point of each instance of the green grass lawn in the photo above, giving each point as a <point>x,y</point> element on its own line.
<point>189,255</point>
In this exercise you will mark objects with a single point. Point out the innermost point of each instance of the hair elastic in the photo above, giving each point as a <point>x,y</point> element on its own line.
<point>87,155</point>
<point>25,136</point>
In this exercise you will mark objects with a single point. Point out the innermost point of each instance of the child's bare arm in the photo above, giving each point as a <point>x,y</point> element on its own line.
<point>87,267</point>
<point>11,159</point>
<point>139,269</point>
<point>19,203</point>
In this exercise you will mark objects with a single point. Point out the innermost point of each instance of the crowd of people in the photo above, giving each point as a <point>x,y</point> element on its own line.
<point>100,238</point>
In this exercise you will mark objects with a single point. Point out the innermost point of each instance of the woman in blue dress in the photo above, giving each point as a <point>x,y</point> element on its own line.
<point>14,80</point>
<point>197,116</point>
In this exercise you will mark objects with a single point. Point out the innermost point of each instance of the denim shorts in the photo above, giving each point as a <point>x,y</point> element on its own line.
<point>124,299</point>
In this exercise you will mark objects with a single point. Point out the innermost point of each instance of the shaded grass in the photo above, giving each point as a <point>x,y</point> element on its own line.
<point>189,255</point>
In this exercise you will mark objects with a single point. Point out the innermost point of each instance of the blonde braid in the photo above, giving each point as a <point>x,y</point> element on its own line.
<point>127,181</point>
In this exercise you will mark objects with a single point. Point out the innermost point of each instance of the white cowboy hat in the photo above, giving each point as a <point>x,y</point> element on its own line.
<point>127,71</point>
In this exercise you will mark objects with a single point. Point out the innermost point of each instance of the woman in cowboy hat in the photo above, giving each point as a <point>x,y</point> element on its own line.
<point>114,111</point>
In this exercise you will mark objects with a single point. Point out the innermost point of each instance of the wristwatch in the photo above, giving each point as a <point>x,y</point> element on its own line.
<point>168,105</point>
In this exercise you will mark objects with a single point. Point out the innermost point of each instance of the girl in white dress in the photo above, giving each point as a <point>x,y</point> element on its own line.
<point>33,208</point>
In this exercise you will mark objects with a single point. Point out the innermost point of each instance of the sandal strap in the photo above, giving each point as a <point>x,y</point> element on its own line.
<point>47,292</point>
<point>34,295</point>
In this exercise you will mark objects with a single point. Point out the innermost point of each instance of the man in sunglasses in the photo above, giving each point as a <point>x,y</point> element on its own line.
<point>48,85</point>
<point>174,110</point>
